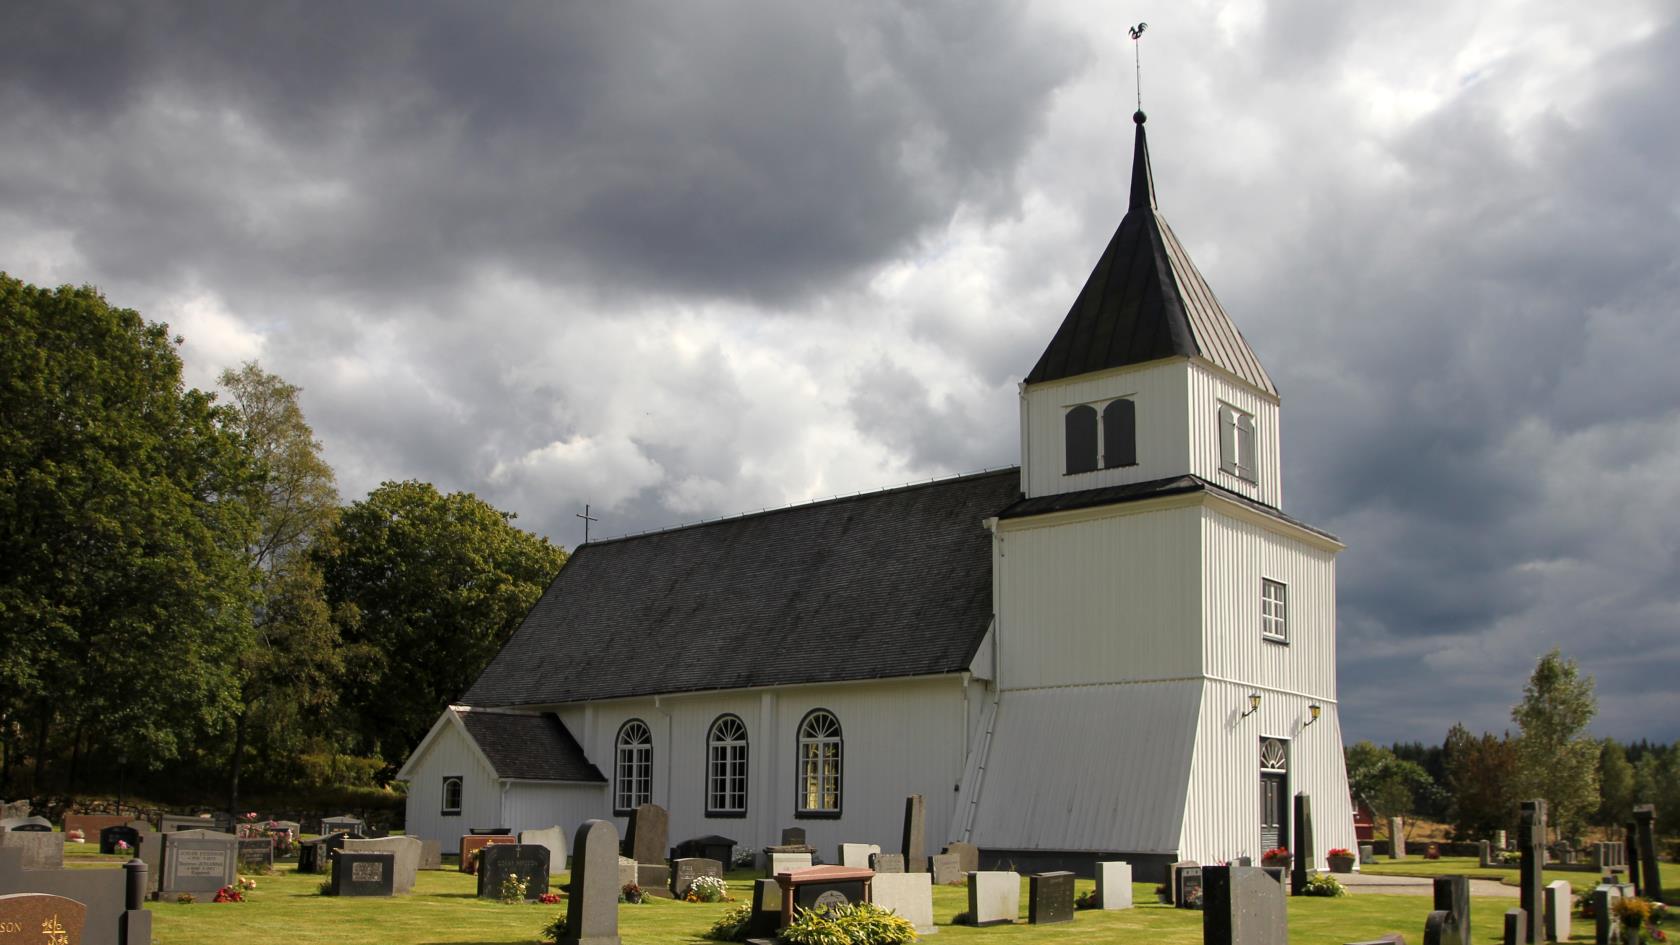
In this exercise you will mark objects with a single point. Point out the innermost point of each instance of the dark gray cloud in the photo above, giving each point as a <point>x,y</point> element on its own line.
<point>687,261</point>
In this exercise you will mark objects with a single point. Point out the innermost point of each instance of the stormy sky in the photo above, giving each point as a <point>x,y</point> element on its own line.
<point>687,260</point>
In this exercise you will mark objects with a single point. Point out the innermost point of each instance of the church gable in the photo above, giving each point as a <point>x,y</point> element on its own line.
<point>890,584</point>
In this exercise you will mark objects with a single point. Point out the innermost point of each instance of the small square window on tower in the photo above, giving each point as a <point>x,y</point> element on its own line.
<point>1236,443</point>
<point>1274,610</point>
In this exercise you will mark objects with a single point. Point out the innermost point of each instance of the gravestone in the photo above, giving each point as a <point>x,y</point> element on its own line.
<point>363,873</point>
<point>822,886</point>
<point>592,900</point>
<point>1531,834</point>
<point>1306,854</point>
<point>908,894</point>
<point>1631,831</point>
<point>256,854</point>
<point>647,840</point>
<point>788,863</point>
<point>858,854</point>
<point>431,855</point>
<point>14,809</point>
<point>1243,906</point>
<point>198,862</point>
<point>1367,854</point>
<point>1449,924</point>
<point>626,872</point>
<point>169,823</point>
<point>40,917</point>
<point>112,898</point>
<point>527,861</point>
<point>41,849</point>
<point>915,834</point>
<point>478,841</point>
<point>406,854</point>
<point>709,847</point>
<point>1114,885</point>
<point>1189,891</point>
<point>1560,905</point>
<point>1049,898</point>
<point>766,915</point>
<point>26,825</point>
<point>1516,926</point>
<point>1172,878</point>
<point>1644,816</point>
<point>109,837</point>
<point>967,854</point>
<point>946,869</point>
<point>312,858</point>
<point>793,836</point>
<point>690,868</point>
<point>1606,929</point>
<point>1484,855</point>
<point>887,862</point>
<point>91,824</point>
<point>553,838</point>
<point>1608,855</point>
<point>343,823</point>
<point>994,897</point>
<point>151,854</point>
<point>1397,838</point>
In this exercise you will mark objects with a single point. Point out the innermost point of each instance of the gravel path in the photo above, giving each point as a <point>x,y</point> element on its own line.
<point>1363,884</point>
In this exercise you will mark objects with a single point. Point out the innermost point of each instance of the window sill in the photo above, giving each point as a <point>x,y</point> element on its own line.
<point>726,815</point>
<point>816,815</point>
<point>1269,638</point>
<point>1087,472</point>
<point>449,813</point>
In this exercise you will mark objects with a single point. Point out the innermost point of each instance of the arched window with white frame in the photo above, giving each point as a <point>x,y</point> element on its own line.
<point>819,753</point>
<point>726,768</point>
<point>633,771</point>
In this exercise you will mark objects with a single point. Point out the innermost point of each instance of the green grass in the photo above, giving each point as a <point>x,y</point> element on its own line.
<point>443,910</point>
<point>1581,882</point>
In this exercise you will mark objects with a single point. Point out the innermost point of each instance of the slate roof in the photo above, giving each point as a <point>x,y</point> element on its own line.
<point>1145,300</point>
<point>529,747</point>
<point>889,584</point>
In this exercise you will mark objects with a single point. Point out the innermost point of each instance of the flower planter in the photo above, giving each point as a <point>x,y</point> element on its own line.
<point>1282,861</point>
<point>1341,864</point>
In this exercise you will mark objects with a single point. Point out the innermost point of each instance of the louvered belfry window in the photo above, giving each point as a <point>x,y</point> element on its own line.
<point>1237,443</point>
<point>819,763</point>
<point>1080,427</point>
<point>634,768</point>
<point>1119,433</point>
<point>726,767</point>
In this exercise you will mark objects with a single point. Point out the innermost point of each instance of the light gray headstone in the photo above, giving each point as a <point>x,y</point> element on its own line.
<point>967,854</point>
<point>1397,835</point>
<point>788,862</point>
<point>1367,854</point>
<point>685,870</point>
<point>857,854</point>
<point>198,862</point>
<point>552,837</point>
<point>908,894</point>
<point>994,896</point>
<point>887,862</point>
<point>42,849</point>
<point>946,869</point>
<point>431,855</point>
<point>1243,905</point>
<point>592,903</point>
<point>1560,903</point>
<point>626,871</point>
<point>405,858</point>
<point>1516,926</point>
<point>1114,884</point>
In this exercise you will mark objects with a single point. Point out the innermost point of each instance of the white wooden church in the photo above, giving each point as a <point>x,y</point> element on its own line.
<point>1122,649</point>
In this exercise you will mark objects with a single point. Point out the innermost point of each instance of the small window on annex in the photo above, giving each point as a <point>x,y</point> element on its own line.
<point>819,765</point>
<point>1237,443</point>
<point>633,771</point>
<point>452,796</point>
<point>726,768</point>
<point>1274,610</point>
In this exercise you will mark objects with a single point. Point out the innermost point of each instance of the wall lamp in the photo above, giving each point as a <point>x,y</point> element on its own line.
<point>1314,711</point>
<point>1253,705</point>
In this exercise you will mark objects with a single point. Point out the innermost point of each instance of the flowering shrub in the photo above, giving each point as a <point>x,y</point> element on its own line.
<point>122,848</point>
<point>707,889</point>
<point>229,894</point>
<point>857,924</point>
<point>1639,918</point>
<point>1323,884</point>
<point>513,889</point>
<point>732,925</point>
<point>556,930</point>
<point>632,894</point>
<point>549,899</point>
<point>245,882</point>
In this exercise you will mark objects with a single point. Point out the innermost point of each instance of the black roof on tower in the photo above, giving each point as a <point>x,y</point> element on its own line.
<point>1145,301</point>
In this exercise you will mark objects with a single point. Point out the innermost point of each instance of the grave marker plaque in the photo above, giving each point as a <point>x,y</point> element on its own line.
<point>552,837</point>
<point>198,862</point>
<point>363,873</point>
<point>690,868</point>
<point>1049,898</point>
<point>1188,894</point>
<point>1516,926</point>
<point>648,836</point>
<point>256,854</point>
<point>1452,906</point>
<point>887,862</point>
<point>527,861</point>
<point>793,836</point>
<point>946,869</point>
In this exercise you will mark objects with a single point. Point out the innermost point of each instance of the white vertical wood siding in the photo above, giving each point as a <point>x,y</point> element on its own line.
<point>901,737</point>
<point>1208,389</point>
<point>1239,554</point>
<point>1224,785</point>
<point>535,805</point>
<point>481,802</point>
<point>1090,768</point>
<point>1160,391</point>
<point>1105,595</point>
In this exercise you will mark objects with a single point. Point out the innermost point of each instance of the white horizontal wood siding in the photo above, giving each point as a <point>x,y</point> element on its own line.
<point>1098,596</point>
<point>1223,798</point>
<point>481,804</point>
<point>1210,387</point>
<point>1160,392</point>
<point>1238,555</point>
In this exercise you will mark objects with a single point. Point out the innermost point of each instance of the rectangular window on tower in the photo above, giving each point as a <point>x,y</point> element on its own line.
<point>1274,610</point>
<point>1237,449</point>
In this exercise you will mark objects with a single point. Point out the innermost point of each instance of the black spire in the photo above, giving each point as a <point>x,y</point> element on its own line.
<point>1143,182</point>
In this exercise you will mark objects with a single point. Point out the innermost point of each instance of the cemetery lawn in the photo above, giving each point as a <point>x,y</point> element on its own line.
<point>1581,882</point>
<point>442,910</point>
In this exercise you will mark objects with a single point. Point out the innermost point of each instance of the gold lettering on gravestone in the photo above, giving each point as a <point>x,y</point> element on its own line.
<point>11,928</point>
<point>53,933</point>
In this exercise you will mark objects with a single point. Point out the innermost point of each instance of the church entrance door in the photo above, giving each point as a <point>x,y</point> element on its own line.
<point>1274,810</point>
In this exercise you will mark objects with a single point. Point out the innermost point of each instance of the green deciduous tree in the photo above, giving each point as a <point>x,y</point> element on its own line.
<point>1388,784</point>
<point>1481,774</point>
<point>124,588</point>
<point>1615,785</point>
<point>1556,760</point>
<point>426,587</point>
<point>1656,780</point>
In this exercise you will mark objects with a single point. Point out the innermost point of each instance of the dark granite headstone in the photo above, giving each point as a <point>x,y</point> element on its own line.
<point>499,861</point>
<point>312,857</point>
<point>766,909</point>
<point>256,855</point>
<point>967,854</point>
<point>344,823</point>
<point>490,831</point>
<point>1452,905</point>
<point>1243,906</point>
<point>712,847</point>
<point>109,837</point>
<point>1644,817</point>
<point>1305,854</point>
<point>112,897</point>
<point>1606,927</point>
<point>1531,834</point>
<point>915,834</point>
<point>1172,878</point>
<point>690,868</point>
<point>648,836</point>
<point>793,836</point>
<point>887,862</point>
<point>946,869</point>
<point>1516,926</point>
<point>363,873</point>
<point>830,893</point>
<point>1188,893</point>
<point>27,825</point>
<point>592,901</point>
<point>1049,898</point>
